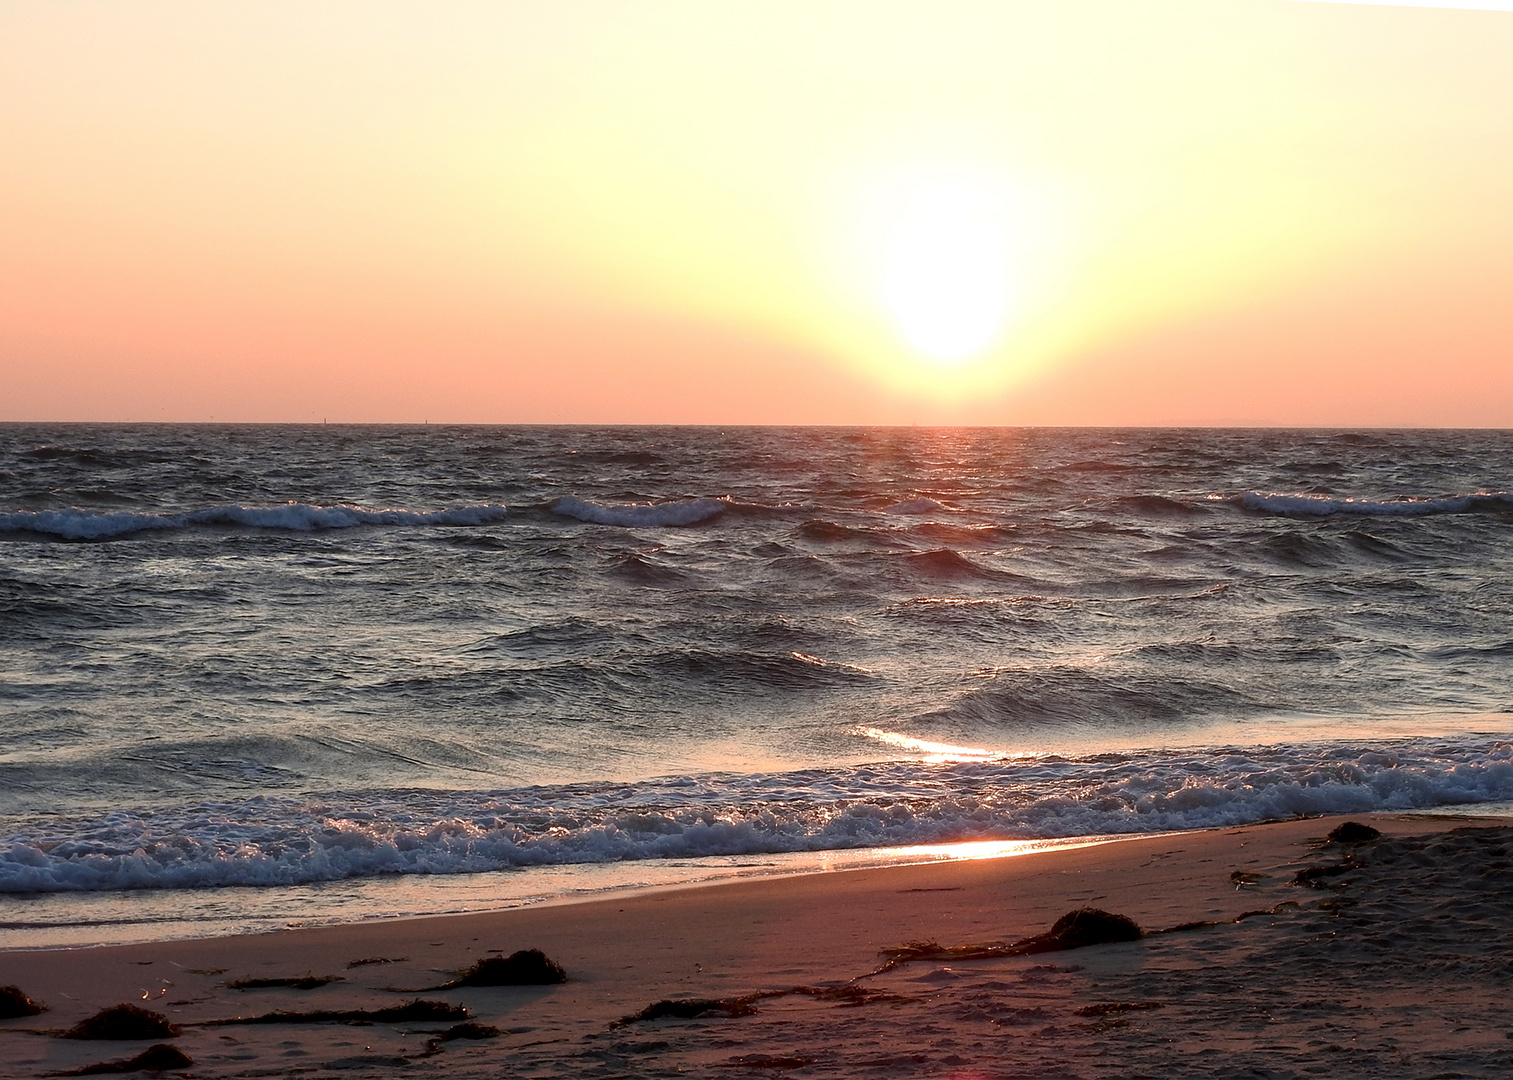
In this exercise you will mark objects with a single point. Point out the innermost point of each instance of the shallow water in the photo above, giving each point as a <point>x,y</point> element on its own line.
<point>314,658</point>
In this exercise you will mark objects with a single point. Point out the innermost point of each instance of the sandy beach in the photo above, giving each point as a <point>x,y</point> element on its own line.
<point>1393,960</point>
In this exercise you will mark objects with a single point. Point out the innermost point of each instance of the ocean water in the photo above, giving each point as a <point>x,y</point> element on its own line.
<point>252,675</point>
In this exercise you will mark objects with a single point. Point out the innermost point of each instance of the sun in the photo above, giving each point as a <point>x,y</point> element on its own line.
<point>946,274</point>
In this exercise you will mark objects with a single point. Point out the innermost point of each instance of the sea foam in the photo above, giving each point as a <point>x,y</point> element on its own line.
<point>642,515</point>
<point>76,524</point>
<point>1484,502</point>
<point>283,841</point>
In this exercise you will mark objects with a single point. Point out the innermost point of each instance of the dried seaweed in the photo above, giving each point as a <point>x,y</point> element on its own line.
<point>528,967</point>
<point>153,1059</point>
<point>14,1003</point>
<point>1314,876</point>
<point>123,1022</point>
<point>1353,832</point>
<point>467,1030</point>
<point>1074,930</point>
<point>695,1009</point>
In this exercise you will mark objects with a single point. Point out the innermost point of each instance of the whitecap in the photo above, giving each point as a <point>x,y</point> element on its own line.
<point>638,515</point>
<point>1325,506</point>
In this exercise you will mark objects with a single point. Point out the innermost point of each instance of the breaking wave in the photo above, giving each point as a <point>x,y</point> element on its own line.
<point>77,524</point>
<point>923,505</point>
<point>301,517</point>
<point>633,515</point>
<point>268,841</point>
<point>1481,502</point>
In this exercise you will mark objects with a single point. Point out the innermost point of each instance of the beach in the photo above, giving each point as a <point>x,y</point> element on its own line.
<point>1390,958</point>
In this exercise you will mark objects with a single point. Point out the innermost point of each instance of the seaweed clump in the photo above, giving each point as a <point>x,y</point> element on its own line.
<point>1353,832</point>
<point>123,1022</point>
<point>1074,930</point>
<point>693,1009</point>
<point>154,1058</point>
<point>1314,876</point>
<point>528,967</point>
<point>467,1030</point>
<point>1080,928</point>
<point>14,1003</point>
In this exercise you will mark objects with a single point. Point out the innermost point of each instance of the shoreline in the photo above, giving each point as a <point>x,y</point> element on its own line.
<point>724,940</point>
<point>470,894</point>
<point>108,918</point>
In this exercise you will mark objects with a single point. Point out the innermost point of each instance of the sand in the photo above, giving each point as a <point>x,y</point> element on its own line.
<point>1401,966</point>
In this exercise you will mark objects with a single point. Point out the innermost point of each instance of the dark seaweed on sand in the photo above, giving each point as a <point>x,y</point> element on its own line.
<point>14,1003</point>
<point>153,1059</point>
<point>468,1030</point>
<point>1314,876</point>
<point>1074,930</point>
<point>694,1009</point>
<point>394,1014</point>
<point>123,1022</point>
<point>1080,928</point>
<point>1353,832</point>
<point>366,960</point>
<point>848,995</point>
<point>528,967</point>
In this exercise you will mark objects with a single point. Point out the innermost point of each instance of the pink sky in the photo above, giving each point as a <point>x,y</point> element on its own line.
<point>1051,212</point>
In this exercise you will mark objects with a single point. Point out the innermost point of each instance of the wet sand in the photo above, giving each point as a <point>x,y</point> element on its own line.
<point>1397,962</point>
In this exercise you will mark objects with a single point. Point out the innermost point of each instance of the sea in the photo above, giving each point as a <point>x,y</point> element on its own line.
<point>261,676</point>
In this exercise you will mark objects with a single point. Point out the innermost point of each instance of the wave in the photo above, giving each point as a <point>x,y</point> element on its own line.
<point>979,535</point>
<point>945,563</point>
<point>923,505</point>
<point>820,529</point>
<point>1481,502</point>
<point>1015,699</point>
<point>76,524</point>
<point>106,459</point>
<point>638,515</point>
<point>268,841</point>
<point>747,672</point>
<point>1159,506</point>
<point>639,570</point>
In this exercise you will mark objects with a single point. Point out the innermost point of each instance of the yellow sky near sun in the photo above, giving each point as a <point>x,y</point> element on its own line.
<point>1064,211</point>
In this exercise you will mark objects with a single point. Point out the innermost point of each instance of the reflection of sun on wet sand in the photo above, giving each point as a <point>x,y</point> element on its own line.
<point>1282,954</point>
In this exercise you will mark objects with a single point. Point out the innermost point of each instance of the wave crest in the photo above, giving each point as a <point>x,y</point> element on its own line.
<point>638,515</point>
<point>74,524</point>
<point>1480,502</point>
<point>270,841</point>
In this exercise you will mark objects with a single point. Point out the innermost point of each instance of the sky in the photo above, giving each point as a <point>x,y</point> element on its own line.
<point>1127,212</point>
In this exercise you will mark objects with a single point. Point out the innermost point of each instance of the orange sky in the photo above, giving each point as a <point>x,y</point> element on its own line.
<point>757,211</point>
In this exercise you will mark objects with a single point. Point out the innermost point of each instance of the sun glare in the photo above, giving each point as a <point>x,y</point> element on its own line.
<point>946,273</point>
